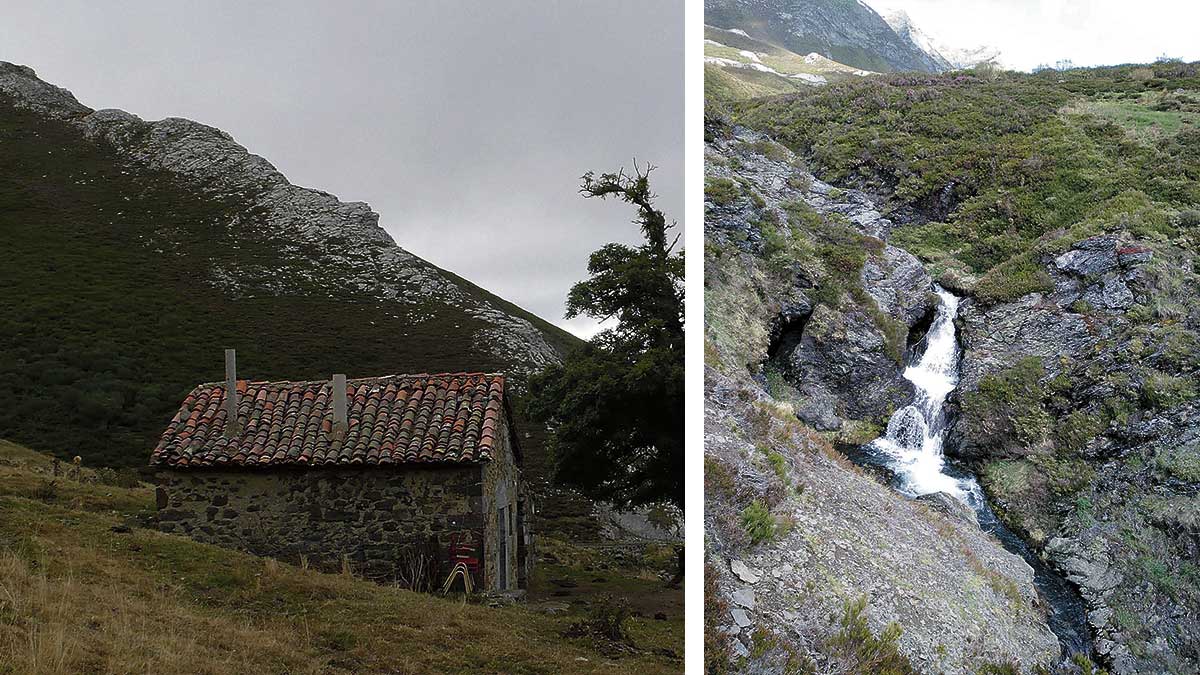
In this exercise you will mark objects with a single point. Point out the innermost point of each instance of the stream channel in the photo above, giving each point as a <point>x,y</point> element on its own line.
<point>910,454</point>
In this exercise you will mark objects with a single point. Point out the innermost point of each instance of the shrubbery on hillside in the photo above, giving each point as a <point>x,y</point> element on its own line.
<point>997,162</point>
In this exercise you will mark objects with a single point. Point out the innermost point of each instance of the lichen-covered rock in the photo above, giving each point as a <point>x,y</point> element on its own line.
<point>996,337</point>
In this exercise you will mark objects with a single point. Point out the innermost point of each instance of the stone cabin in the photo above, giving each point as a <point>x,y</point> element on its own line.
<point>379,472</point>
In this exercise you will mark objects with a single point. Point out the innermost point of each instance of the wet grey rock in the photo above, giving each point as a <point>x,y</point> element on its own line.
<point>899,284</point>
<point>819,408</point>
<point>950,506</point>
<point>1090,257</point>
<point>1086,566</point>
<point>844,356</point>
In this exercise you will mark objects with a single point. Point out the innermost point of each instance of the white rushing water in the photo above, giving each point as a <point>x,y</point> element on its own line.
<point>915,433</point>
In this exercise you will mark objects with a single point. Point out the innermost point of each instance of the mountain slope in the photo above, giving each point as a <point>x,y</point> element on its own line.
<point>135,251</point>
<point>739,67</point>
<point>846,31</point>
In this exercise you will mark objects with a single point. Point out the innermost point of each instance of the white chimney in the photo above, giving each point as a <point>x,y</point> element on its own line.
<point>231,394</point>
<point>340,422</point>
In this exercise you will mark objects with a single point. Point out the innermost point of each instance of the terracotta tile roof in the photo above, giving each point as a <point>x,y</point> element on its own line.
<point>395,419</point>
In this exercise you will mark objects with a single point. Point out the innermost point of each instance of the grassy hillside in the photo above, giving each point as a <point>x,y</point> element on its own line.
<point>994,161</point>
<point>108,315</point>
<point>85,588</point>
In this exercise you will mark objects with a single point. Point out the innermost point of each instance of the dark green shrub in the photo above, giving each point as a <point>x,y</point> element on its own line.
<point>721,191</point>
<point>607,617</point>
<point>758,522</point>
<point>862,651</point>
<point>778,464</point>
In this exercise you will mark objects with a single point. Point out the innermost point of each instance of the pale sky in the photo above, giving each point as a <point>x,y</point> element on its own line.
<point>466,125</point>
<point>1089,32</point>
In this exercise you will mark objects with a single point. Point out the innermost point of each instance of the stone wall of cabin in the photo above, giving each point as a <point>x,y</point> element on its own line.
<point>374,517</point>
<point>502,486</point>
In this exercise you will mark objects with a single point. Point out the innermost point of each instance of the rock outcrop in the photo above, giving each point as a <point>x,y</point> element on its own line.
<point>1107,475</point>
<point>842,358</point>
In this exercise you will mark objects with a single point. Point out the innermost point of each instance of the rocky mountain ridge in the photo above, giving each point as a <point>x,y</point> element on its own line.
<point>153,245</point>
<point>849,32</point>
<point>948,57</point>
<point>846,31</point>
<point>352,252</point>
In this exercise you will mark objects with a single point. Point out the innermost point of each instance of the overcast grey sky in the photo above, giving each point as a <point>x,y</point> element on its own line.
<point>465,125</point>
<point>1033,32</point>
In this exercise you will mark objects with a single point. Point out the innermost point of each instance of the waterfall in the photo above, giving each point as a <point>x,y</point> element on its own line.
<point>912,453</point>
<point>912,448</point>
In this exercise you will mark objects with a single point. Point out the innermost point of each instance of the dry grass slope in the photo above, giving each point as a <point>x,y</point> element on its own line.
<point>78,596</point>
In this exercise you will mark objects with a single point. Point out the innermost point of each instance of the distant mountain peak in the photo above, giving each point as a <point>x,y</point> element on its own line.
<point>950,58</point>
<point>849,32</point>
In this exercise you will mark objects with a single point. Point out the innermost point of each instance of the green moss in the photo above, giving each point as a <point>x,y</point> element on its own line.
<point>1013,279</point>
<point>769,149</point>
<point>1180,461</point>
<point>1073,432</point>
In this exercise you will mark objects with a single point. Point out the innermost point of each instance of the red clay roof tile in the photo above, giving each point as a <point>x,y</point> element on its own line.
<point>395,419</point>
